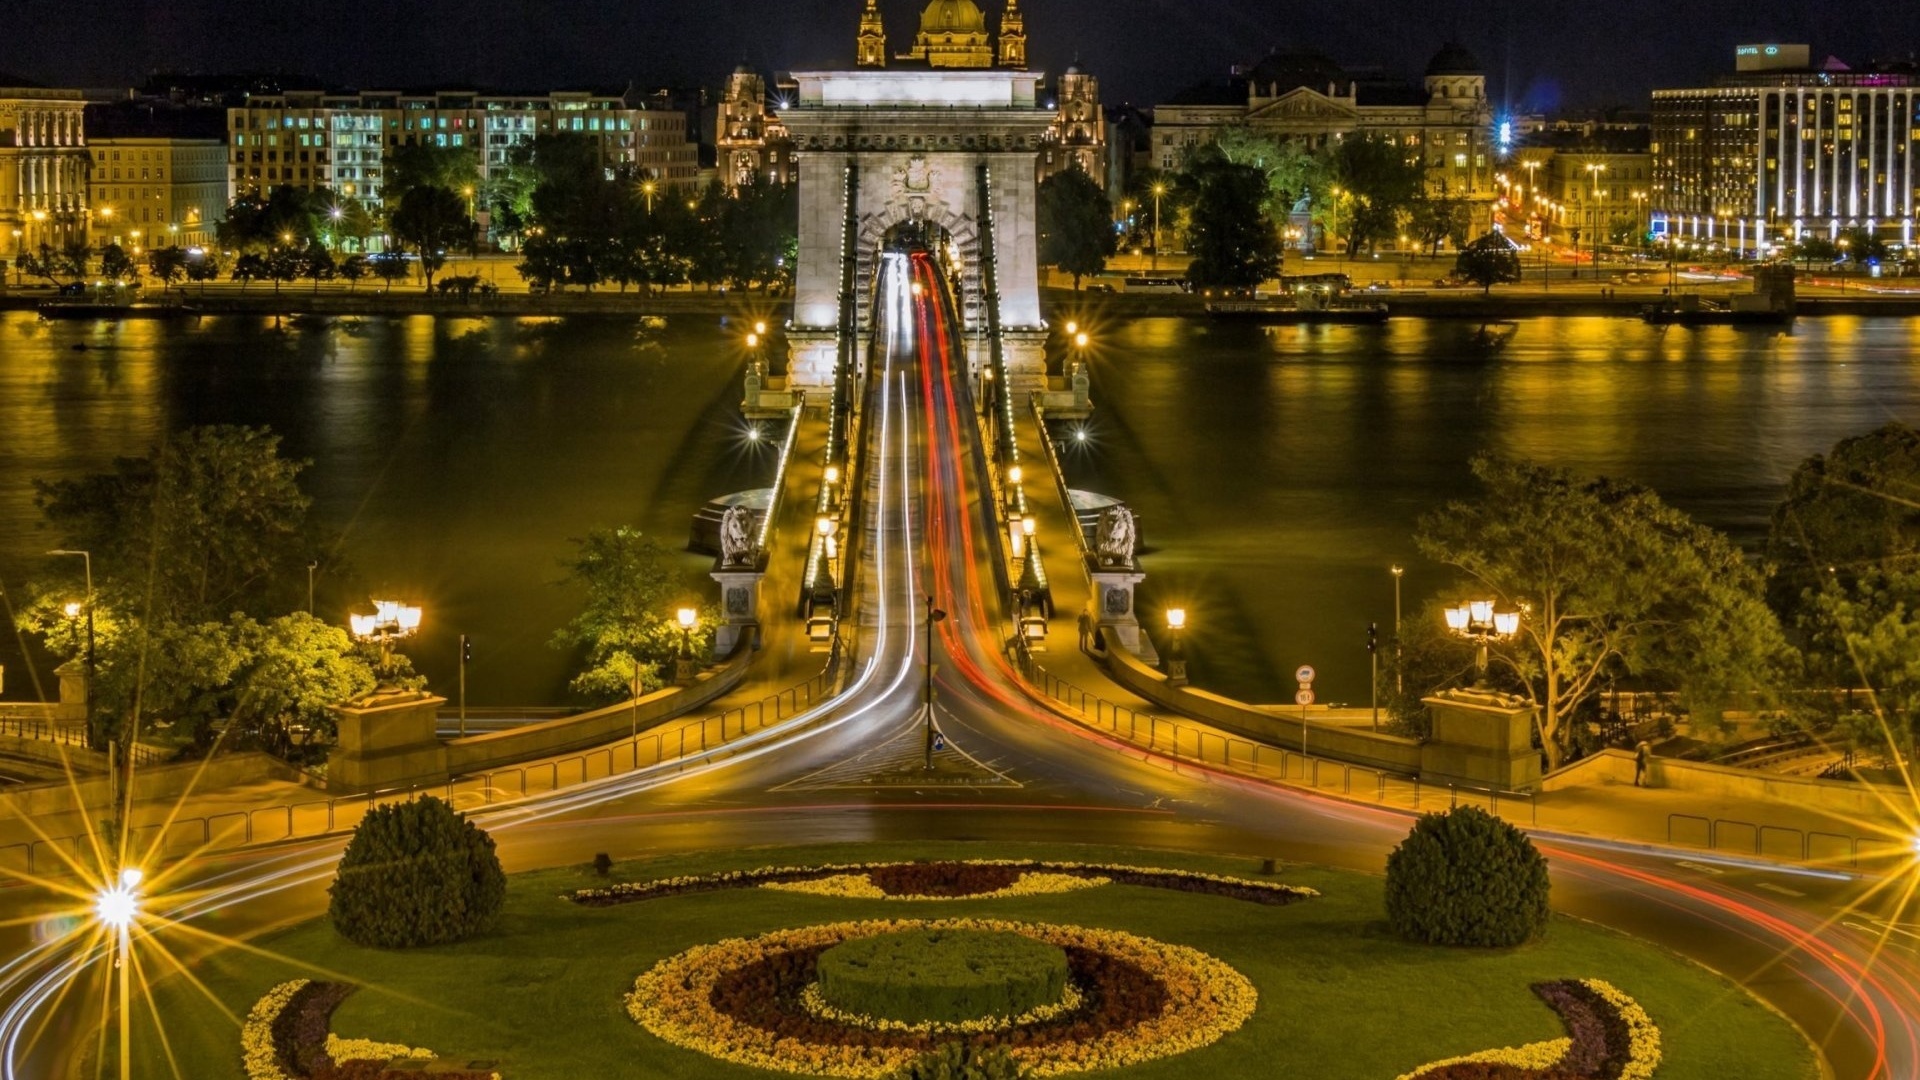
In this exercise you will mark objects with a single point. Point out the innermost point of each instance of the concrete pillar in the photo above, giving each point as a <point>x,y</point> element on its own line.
<point>387,739</point>
<point>1480,739</point>
<point>1113,605</point>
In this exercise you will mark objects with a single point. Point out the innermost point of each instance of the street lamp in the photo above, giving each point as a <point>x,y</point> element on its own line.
<point>87,559</point>
<point>683,665</point>
<point>934,615</point>
<point>117,907</point>
<point>391,621</point>
<point>1399,679</point>
<point>828,527</point>
<point>1476,621</point>
<point>1158,191</point>
<point>1176,647</point>
<point>647,190</point>
<point>1018,534</point>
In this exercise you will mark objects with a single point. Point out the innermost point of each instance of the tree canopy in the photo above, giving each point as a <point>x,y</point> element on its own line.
<point>1488,261</point>
<point>1378,184</point>
<point>432,220</point>
<point>1607,578</point>
<point>626,628</point>
<point>1075,224</point>
<point>1233,244</point>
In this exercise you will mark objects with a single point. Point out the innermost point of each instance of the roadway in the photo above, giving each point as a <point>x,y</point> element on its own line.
<point>1012,770</point>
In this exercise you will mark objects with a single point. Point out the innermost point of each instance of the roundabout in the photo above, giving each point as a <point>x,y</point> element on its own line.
<point>710,973</point>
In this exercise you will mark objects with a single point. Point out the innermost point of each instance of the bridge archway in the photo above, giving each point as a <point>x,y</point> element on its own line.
<point>879,150</point>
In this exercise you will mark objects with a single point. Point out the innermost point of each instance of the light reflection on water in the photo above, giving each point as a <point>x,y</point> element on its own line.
<point>1279,471</point>
<point>458,455</point>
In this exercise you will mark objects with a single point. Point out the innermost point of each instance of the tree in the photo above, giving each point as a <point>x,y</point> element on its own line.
<point>1863,246</point>
<point>454,168</point>
<point>1432,220</point>
<point>1853,509</point>
<point>1075,224</point>
<point>353,268</point>
<point>196,529</point>
<point>389,266</point>
<point>249,268</point>
<point>1813,248</point>
<point>1378,183</point>
<point>431,220</point>
<point>1291,170</point>
<point>1233,244</point>
<point>1875,620</point>
<point>1465,877</point>
<point>167,265</point>
<point>297,668</point>
<point>116,265</point>
<point>284,217</point>
<point>1607,577</point>
<point>626,629</point>
<point>353,221</point>
<point>1491,260</point>
<point>203,268</point>
<point>416,873</point>
<point>316,263</point>
<point>284,264</point>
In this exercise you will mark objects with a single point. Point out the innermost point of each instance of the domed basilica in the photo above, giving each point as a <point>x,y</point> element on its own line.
<point>953,34</point>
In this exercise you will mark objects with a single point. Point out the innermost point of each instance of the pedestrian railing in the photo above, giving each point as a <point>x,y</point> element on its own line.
<point>682,746</point>
<point>1185,742</point>
<point>1778,841</point>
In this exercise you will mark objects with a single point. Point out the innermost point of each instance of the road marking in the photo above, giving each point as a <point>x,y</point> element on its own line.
<point>1700,867</point>
<point>1781,889</point>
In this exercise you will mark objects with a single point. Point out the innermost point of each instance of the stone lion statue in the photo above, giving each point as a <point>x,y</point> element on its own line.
<point>736,536</point>
<point>1114,537</point>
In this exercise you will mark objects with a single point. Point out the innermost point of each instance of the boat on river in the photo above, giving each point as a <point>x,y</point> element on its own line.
<point>1289,312</point>
<point>113,309</point>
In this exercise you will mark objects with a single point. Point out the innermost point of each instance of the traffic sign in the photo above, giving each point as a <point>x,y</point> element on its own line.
<point>1304,697</point>
<point>1304,674</point>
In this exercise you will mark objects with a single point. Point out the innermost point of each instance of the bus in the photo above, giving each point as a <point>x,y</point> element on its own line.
<point>1156,285</point>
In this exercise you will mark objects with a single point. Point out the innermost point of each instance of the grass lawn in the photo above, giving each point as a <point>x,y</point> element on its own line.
<point>1340,998</point>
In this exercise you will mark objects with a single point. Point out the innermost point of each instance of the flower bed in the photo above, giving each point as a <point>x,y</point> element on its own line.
<point>1609,1036</point>
<point>741,1000</point>
<point>969,879</point>
<point>286,1037</point>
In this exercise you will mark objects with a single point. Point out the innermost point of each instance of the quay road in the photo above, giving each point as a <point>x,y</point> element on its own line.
<point>1808,943</point>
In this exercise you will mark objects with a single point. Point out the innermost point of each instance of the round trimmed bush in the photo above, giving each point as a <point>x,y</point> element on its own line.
<point>1465,877</point>
<point>416,873</point>
<point>946,976</point>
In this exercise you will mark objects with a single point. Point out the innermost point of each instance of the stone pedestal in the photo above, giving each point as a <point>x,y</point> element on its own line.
<point>1024,352</point>
<point>73,690</point>
<point>1082,387</point>
<point>812,354</point>
<point>1114,609</point>
<point>387,739</point>
<point>1480,739</point>
<point>739,609</point>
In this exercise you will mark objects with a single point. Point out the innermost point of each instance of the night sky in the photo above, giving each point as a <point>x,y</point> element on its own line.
<point>1540,54</point>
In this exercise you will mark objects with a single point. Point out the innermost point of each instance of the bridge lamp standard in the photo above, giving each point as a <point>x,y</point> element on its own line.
<point>1176,647</point>
<point>117,907</point>
<point>391,621</point>
<point>1158,191</point>
<point>1399,679</point>
<point>1477,622</point>
<point>683,664</point>
<point>86,601</point>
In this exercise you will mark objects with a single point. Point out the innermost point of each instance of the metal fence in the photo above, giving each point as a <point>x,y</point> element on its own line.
<point>1777,841</point>
<point>683,745</point>
<point>1192,743</point>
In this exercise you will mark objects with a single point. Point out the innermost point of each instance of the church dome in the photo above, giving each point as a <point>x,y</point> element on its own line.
<point>1454,59</point>
<point>952,17</point>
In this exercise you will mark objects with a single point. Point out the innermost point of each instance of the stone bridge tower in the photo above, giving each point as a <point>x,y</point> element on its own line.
<point>941,141</point>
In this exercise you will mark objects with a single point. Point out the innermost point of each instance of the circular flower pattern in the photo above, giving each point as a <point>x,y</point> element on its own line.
<point>742,1000</point>
<point>864,887</point>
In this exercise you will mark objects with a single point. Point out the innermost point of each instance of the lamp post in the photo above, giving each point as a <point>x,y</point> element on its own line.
<point>1399,677</point>
<point>391,621</point>
<point>1158,191</point>
<point>117,907</point>
<point>86,558</point>
<point>1176,647</point>
<point>934,615</point>
<point>683,664</point>
<point>647,190</point>
<point>1476,621</point>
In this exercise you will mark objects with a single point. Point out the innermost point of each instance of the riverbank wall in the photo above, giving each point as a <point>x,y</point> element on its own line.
<point>1501,306</point>
<point>296,301</point>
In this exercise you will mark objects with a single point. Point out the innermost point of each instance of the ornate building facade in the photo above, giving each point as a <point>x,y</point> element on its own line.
<point>752,145</point>
<point>1444,120</point>
<point>43,170</point>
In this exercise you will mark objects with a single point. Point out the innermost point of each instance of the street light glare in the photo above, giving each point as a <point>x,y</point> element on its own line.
<point>118,905</point>
<point>1177,618</point>
<point>72,609</point>
<point>687,616</point>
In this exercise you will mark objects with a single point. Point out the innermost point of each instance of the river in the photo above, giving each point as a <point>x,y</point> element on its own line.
<point>1278,472</point>
<point>456,457</point>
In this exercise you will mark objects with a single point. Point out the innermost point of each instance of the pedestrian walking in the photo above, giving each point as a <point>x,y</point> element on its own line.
<point>1640,755</point>
<point>1086,629</point>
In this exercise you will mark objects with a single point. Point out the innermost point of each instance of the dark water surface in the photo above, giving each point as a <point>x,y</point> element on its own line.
<point>457,456</point>
<point>1279,471</point>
